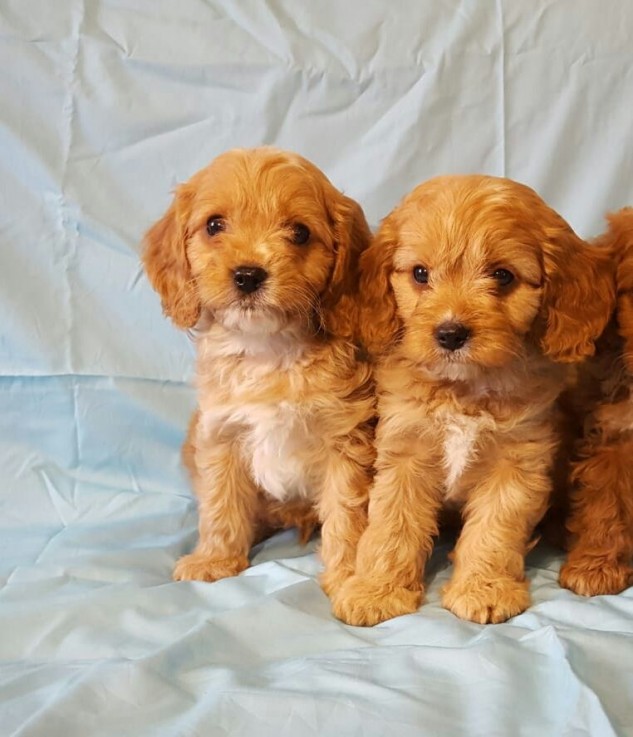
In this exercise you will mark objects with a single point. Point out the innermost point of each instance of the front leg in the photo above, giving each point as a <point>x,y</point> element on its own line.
<point>343,507</point>
<point>601,555</point>
<point>403,510</point>
<point>510,498</point>
<point>227,509</point>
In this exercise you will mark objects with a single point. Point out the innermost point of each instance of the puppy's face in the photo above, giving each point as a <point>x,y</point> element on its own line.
<point>261,243</point>
<point>468,285</point>
<point>479,269</point>
<point>265,241</point>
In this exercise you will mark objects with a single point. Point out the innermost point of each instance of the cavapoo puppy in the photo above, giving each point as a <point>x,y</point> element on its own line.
<point>483,296</point>
<point>259,253</point>
<point>601,523</point>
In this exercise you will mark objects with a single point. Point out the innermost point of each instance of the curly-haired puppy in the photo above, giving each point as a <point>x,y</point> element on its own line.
<point>601,522</point>
<point>484,296</point>
<point>260,252</point>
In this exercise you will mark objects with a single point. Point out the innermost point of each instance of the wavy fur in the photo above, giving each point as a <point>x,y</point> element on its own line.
<point>474,430</point>
<point>282,434</point>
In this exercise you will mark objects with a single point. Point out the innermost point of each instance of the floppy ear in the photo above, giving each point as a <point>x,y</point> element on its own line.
<point>166,264</point>
<point>339,302</point>
<point>620,237</point>
<point>380,324</point>
<point>579,293</point>
<point>625,319</point>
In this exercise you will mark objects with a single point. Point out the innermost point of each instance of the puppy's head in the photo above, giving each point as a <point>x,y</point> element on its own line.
<point>619,238</point>
<point>468,271</point>
<point>259,239</point>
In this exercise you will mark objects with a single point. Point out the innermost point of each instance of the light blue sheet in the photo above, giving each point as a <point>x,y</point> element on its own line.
<point>104,106</point>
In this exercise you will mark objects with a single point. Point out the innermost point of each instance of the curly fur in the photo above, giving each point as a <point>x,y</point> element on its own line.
<point>473,430</point>
<point>282,434</point>
<point>601,520</point>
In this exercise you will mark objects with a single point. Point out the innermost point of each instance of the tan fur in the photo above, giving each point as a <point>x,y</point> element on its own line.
<point>475,430</point>
<point>601,522</point>
<point>282,435</point>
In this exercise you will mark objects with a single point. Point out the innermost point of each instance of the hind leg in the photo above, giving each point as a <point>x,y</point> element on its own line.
<point>299,513</point>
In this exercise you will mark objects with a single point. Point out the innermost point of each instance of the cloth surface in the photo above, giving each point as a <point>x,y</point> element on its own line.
<point>104,106</point>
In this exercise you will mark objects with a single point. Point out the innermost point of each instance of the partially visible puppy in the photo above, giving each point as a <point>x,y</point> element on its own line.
<point>601,522</point>
<point>259,252</point>
<point>483,296</point>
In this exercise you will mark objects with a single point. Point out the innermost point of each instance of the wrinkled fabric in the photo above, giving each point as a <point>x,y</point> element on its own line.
<point>104,107</point>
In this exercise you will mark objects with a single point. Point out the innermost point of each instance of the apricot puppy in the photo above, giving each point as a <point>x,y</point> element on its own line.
<point>601,522</point>
<point>483,296</point>
<point>259,253</point>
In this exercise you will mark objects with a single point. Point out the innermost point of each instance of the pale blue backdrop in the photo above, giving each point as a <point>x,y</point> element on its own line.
<point>104,106</point>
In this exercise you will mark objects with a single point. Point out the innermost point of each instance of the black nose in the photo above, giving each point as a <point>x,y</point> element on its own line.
<point>452,335</point>
<point>249,278</point>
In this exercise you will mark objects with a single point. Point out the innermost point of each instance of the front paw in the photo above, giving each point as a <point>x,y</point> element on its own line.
<point>486,600</point>
<point>589,577</point>
<point>198,567</point>
<point>363,603</point>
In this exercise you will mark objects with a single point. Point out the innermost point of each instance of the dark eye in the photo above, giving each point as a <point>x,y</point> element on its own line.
<point>503,277</point>
<point>300,234</point>
<point>216,224</point>
<point>420,274</point>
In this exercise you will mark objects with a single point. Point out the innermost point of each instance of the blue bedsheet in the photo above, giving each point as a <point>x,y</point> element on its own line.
<point>104,106</point>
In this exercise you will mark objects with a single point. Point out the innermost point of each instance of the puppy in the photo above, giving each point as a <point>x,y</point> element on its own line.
<point>483,296</point>
<point>601,521</point>
<point>260,253</point>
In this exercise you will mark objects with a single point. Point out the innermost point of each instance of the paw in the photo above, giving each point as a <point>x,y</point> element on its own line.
<point>198,567</point>
<point>486,601</point>
<point>593,578</point>
<point>363,603</point>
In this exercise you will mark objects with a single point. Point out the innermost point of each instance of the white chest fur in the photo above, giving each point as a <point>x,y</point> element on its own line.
<point>280,446</point>
<point>460,447</point>
<point>278,441</point>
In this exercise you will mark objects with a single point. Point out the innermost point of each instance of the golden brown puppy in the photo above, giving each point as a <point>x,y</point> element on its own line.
<point>260,252</point>
<point>601,522</point>
<point>485,295</point>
